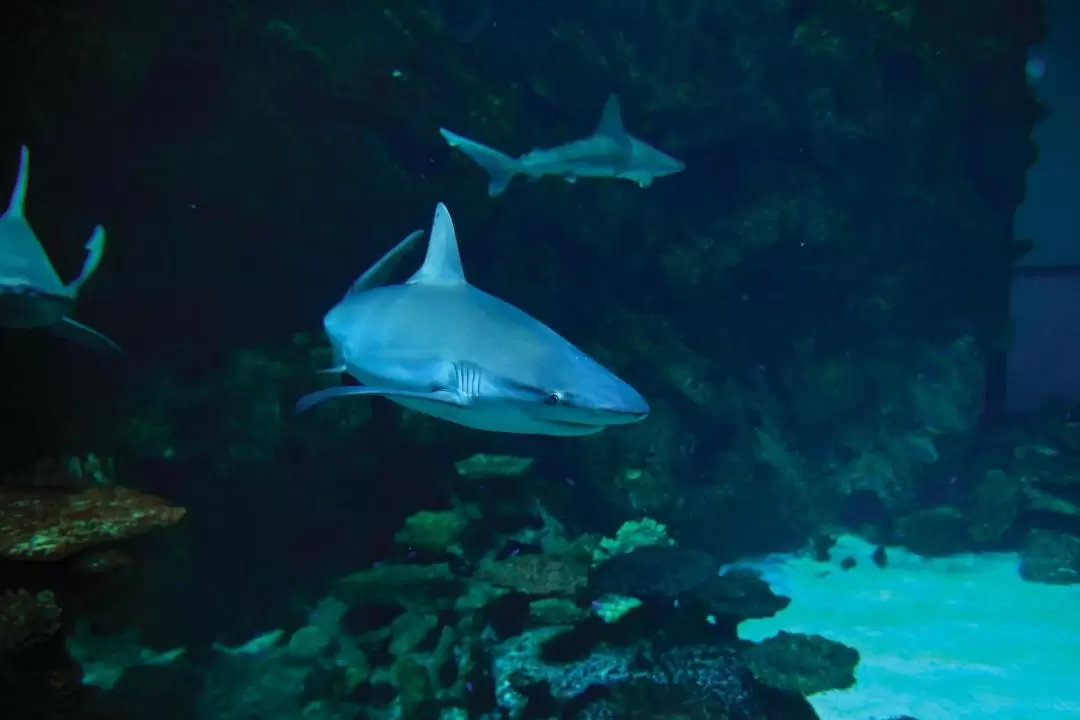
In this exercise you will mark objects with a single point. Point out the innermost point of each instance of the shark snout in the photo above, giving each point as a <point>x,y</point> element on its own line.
<point>630,408</point>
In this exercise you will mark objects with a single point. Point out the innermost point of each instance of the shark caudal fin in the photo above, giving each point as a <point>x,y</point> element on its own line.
<point>18,194</point>
<point>501,168</point>
<point>95,248</point>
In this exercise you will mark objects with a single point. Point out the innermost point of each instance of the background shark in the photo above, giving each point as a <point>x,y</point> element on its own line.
<point>32,295</point>
<point>442,347</point>
<point>610,152</point>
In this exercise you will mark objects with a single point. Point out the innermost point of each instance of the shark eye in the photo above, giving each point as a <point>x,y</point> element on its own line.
<point>553,399</point>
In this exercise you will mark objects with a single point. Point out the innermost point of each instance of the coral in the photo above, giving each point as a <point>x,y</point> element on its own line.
<point>994,505</point>
<point>631,535</point>
<point>483,467</point>
<point>934,532</point>
<point>653,571</point>
<point>1051,557</point>
<point>26,619</point>
<point>555,611</point>
<point>805,664</point>
<point>418,587</point>
<point>436,532</point>
<point>740,593</point>
<point>408,630</point>
<point>538,574</point>
<point>40,525</point>
<point>611,608</point>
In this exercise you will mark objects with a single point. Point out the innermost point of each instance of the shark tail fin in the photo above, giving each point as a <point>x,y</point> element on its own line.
<point>18,195</point>
<point>95,249</point>
<point>501,168</point>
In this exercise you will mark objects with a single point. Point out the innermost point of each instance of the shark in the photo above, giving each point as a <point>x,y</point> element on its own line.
<point>610,152</point>
<point>32,295</point>
<point>440,346</point>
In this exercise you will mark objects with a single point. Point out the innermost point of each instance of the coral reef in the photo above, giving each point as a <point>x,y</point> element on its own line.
<point>64,530</point>
<point>36,525</point>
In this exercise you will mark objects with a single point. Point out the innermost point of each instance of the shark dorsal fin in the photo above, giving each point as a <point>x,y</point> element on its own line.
<point>18,195</point>
<point>376,274</point>
<point>611,124</point>
<point>442,265</point>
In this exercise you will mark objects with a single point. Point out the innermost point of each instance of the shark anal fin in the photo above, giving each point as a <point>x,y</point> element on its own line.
<point>312,399</point>
<point>89,338</point>
<point>376,275</point>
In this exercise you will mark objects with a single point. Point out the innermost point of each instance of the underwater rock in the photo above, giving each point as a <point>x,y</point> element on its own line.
<point>51,525</point>
<point>934,532</point>
<point>1051,557</point>
<point>994,505</point>
<point>483,467</point>
<point>422,588</point>
<point>653,571</point>
<point>805,664</point>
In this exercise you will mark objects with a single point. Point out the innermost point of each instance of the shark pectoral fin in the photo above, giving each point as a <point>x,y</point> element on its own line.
<point>89,338</point>
<point>311,400</point>
<point>645,181</point>
<point>336,370</point>
<point>95,248</point>
<point>376,275</point>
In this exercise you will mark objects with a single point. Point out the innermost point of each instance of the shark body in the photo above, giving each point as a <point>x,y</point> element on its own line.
<point>610,152</point>
<point>32,295</point>
<point>443,347</point>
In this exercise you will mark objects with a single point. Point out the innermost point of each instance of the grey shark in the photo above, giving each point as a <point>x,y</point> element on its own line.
<point>32,295</point>
<point>440,346</point>
<point>610,152</point>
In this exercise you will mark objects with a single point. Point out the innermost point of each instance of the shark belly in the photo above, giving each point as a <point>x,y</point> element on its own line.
<point>23,307</point>
<point>494,419</point>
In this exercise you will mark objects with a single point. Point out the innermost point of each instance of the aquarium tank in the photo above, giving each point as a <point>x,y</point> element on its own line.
<point>540,360</point>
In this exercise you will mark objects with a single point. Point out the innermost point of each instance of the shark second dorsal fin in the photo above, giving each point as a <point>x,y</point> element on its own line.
<point>376,274</point>
<point>442,265</point>
<point>611,124</point>
<point>18,195</point>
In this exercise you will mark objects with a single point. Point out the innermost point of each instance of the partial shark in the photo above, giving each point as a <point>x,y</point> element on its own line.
<point>440,346</point>
<point>610,152</point>
<point>31,292</point>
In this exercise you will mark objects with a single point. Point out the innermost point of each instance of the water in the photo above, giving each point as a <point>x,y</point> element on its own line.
<point>797,246</point>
